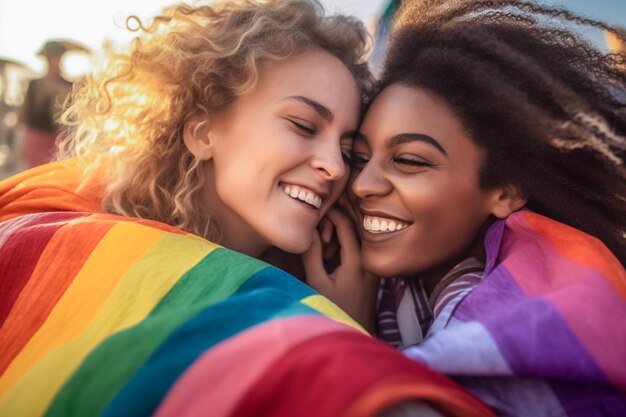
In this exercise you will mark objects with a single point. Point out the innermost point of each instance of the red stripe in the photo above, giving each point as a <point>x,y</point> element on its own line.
<point>332,374</point>
<point>20,253</point>
<point>61,261</point>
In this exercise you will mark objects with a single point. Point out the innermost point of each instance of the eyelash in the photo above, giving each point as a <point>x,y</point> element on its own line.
<point>358,161</point>
<point>411,162</point>
<point>345,153</point>
<point>303,128</point>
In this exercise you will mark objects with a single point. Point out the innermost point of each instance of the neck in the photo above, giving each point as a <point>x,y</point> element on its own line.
<point>234,232</point>
<point>230,240</point>
<point>476,249</point>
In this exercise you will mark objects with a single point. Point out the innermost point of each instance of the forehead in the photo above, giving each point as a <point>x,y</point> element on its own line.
<point>410,109</point>
<point>402,109</point>
<point>316,75</point>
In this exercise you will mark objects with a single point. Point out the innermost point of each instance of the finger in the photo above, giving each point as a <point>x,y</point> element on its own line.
<point>347,238</point>
<point>316,275</point>
<point>344,202</point>
<point>326,229</point>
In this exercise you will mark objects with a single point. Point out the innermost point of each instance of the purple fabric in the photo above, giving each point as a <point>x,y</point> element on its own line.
<point>549,302</point>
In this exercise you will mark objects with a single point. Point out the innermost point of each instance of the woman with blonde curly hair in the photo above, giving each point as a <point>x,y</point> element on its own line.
<point>205,99</point>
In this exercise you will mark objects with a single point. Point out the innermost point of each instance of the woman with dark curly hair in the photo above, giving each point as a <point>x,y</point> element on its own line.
<point>489,180</point>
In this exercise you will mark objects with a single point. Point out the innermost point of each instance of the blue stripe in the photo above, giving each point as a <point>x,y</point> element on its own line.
<point>269,293</point>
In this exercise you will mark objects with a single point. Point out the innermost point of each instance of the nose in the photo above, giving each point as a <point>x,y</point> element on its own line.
<point>328,161</point>
<point>370,182</point>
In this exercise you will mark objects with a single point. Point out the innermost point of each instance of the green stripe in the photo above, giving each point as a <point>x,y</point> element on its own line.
<point>109,366</point>
<point>249,307</point>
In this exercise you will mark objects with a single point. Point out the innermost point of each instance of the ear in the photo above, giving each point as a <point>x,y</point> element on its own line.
<point>506,200</point>
<point>196,135</point>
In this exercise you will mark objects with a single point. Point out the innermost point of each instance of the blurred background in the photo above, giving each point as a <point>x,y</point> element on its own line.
<point>37,35</point>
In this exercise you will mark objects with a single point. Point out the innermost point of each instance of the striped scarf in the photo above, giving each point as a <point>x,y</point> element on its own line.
<point>405,311</point>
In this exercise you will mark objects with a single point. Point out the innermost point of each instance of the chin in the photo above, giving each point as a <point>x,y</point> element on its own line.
<point>382,266</point>
<point>297,245</point>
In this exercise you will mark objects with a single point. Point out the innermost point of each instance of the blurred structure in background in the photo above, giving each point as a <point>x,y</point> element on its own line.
<point>615,44</point>
<point>14,77</point>
<point>381,33</point>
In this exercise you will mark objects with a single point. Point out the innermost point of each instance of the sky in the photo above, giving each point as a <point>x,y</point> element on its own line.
<point>25,24</point>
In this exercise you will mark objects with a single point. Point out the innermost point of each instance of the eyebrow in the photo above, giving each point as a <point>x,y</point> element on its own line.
<point>404,138</point>
<point>413,137</point>
<point>319,108</point>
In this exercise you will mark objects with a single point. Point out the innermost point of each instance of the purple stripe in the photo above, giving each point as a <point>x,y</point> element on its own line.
<point>531,334</point>
<point>584,297</point>
<point>589,400</point>
<point>493,241</point>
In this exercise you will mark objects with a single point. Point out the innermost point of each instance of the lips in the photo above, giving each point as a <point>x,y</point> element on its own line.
<point>377,224</point>
<point>303,194</point>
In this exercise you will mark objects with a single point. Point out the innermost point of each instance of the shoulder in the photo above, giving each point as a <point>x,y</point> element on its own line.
<point>530,234</point>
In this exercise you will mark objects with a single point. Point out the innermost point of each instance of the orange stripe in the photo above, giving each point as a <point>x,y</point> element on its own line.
<point>47,284</point>
<point>49,187</point>
<point>85,296</point>
<point>581,248</point>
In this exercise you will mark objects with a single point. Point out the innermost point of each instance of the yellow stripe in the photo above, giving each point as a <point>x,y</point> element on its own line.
<point>127,303</point>
<point>327,308</point>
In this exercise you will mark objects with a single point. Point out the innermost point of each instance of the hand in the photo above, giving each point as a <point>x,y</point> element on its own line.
<point>348,285</point>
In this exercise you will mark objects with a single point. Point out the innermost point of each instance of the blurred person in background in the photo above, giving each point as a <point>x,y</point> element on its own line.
<point>42,106</point>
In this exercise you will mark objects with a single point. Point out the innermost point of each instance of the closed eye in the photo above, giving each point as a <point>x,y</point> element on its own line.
<point>309,130</point>
<point>346,154</point>
<point>412,162</point>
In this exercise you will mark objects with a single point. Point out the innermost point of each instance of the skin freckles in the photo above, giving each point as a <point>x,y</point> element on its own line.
<point>284,142</point>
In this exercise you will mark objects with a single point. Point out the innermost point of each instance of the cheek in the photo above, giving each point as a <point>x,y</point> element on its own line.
<point>336,190</point>
<point>424,201</point>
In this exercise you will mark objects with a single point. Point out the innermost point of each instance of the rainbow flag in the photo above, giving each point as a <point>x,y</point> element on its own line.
<point>102,315</point>
<point>544,333</point>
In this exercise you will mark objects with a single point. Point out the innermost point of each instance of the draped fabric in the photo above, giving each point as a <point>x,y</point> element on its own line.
<point>544,332</point>
<point>103,315</point>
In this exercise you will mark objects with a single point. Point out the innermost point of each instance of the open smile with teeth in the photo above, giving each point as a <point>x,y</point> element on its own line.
<point>302,194</point>
<point>382,225</point>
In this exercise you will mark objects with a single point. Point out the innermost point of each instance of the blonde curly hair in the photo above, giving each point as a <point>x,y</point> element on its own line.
<point>128,116</point>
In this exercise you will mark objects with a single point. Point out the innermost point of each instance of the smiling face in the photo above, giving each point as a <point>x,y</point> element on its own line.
<point>278,154</point>
<point>416,185</point>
